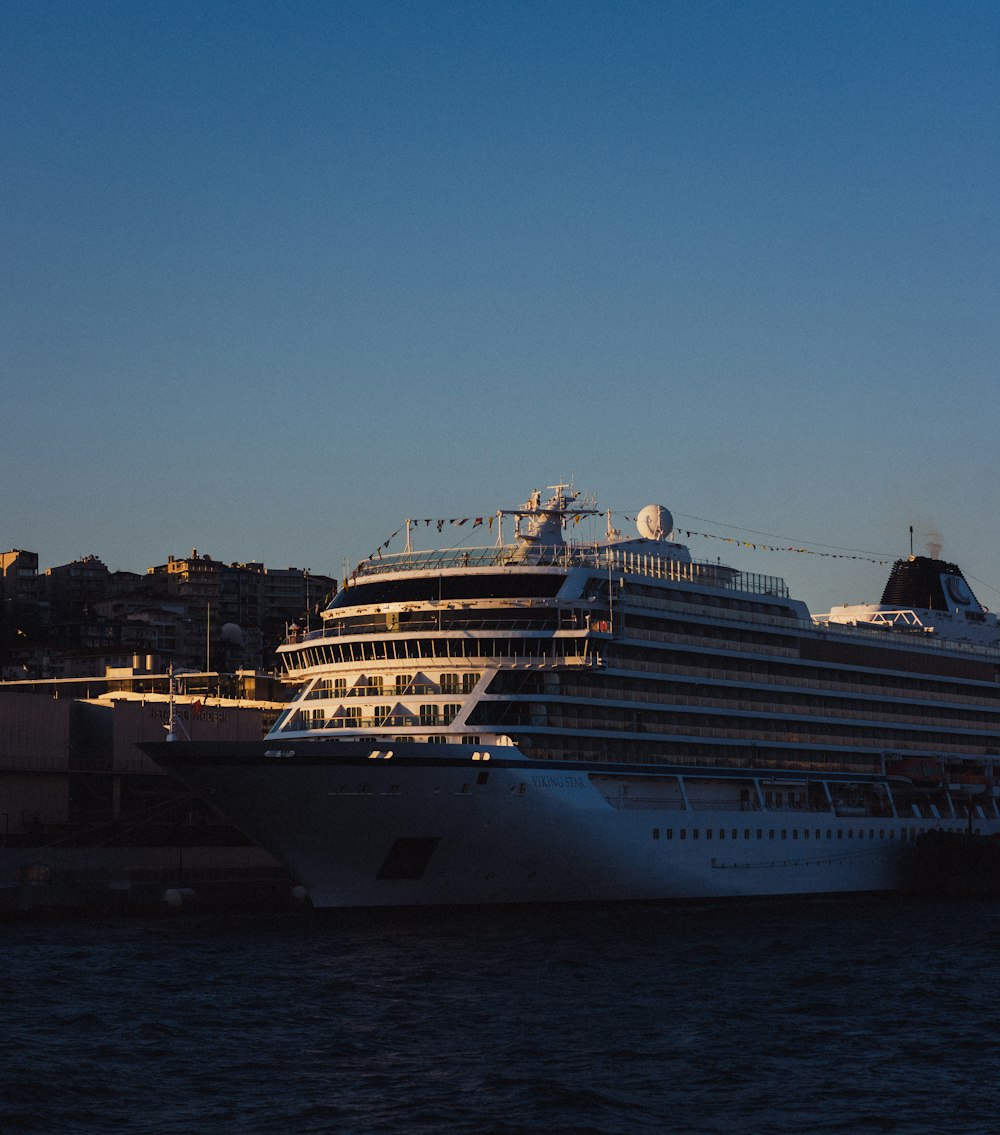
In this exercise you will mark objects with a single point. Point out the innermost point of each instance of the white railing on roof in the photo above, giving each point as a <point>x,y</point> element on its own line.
<point>576,555</point>
<point>903,633</point>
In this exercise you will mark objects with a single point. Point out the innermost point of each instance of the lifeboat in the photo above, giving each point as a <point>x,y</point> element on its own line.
<point>970,777</point>
<point>916,772</point>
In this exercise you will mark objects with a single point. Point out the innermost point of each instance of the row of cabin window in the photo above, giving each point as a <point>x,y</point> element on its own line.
<point>463,683</point>
<point>687,721</point>
<point>707,600</point>
<point>653,658</point>
<point>773,674</point>
<point>775,833</point>
<point>417,650</point>
<point>429,715</point>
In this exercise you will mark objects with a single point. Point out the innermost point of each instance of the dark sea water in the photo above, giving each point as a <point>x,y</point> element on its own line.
<point>848,1015</point>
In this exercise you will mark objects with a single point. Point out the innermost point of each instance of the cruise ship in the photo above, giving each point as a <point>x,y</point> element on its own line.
<point>545,719</point>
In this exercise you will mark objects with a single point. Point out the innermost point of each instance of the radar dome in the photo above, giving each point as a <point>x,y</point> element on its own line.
<point>231,633</point>
<point>654,522</point>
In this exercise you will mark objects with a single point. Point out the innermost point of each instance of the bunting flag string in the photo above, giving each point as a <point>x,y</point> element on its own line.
<point>752,545</point>
<point>477,522</point>
<point>378,551</point>
<point>775,548</point>
<point>757,546</point>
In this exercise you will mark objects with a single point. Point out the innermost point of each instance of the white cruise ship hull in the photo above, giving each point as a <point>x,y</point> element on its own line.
<point>558,721</point>
<point>360,828</point>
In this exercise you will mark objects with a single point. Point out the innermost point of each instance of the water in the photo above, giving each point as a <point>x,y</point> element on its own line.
<point>861,1015</point>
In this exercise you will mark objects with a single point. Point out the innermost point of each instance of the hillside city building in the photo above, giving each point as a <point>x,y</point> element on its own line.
<point>80,619</point>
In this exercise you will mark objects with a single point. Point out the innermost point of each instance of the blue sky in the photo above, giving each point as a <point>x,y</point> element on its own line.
<point>278,275</point>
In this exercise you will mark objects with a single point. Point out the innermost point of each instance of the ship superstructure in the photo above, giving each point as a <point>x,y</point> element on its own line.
<point>554,719</point>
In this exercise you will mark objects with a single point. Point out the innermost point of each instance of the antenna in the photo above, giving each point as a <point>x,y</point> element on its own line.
<point>171,731</point>
<point>911,539</point>
<point>173,720</point>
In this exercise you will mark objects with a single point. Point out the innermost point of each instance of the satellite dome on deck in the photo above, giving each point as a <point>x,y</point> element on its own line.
<point>231,633</point>
<point>654,522</point>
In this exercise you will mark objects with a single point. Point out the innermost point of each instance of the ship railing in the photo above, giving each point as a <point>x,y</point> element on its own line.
<point>706,610</point>
<point>516,651</point>
<point>577,555</point>
<point>371,721</point>
<point>702,573</point>
<point>900,634</point>
<point>796,681</point>
<point>788,709</point>
<point>447,620</point>
<point>447,617</point>
<point>645,634</point>
<point>443,559</point>
<point>421,690</point>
